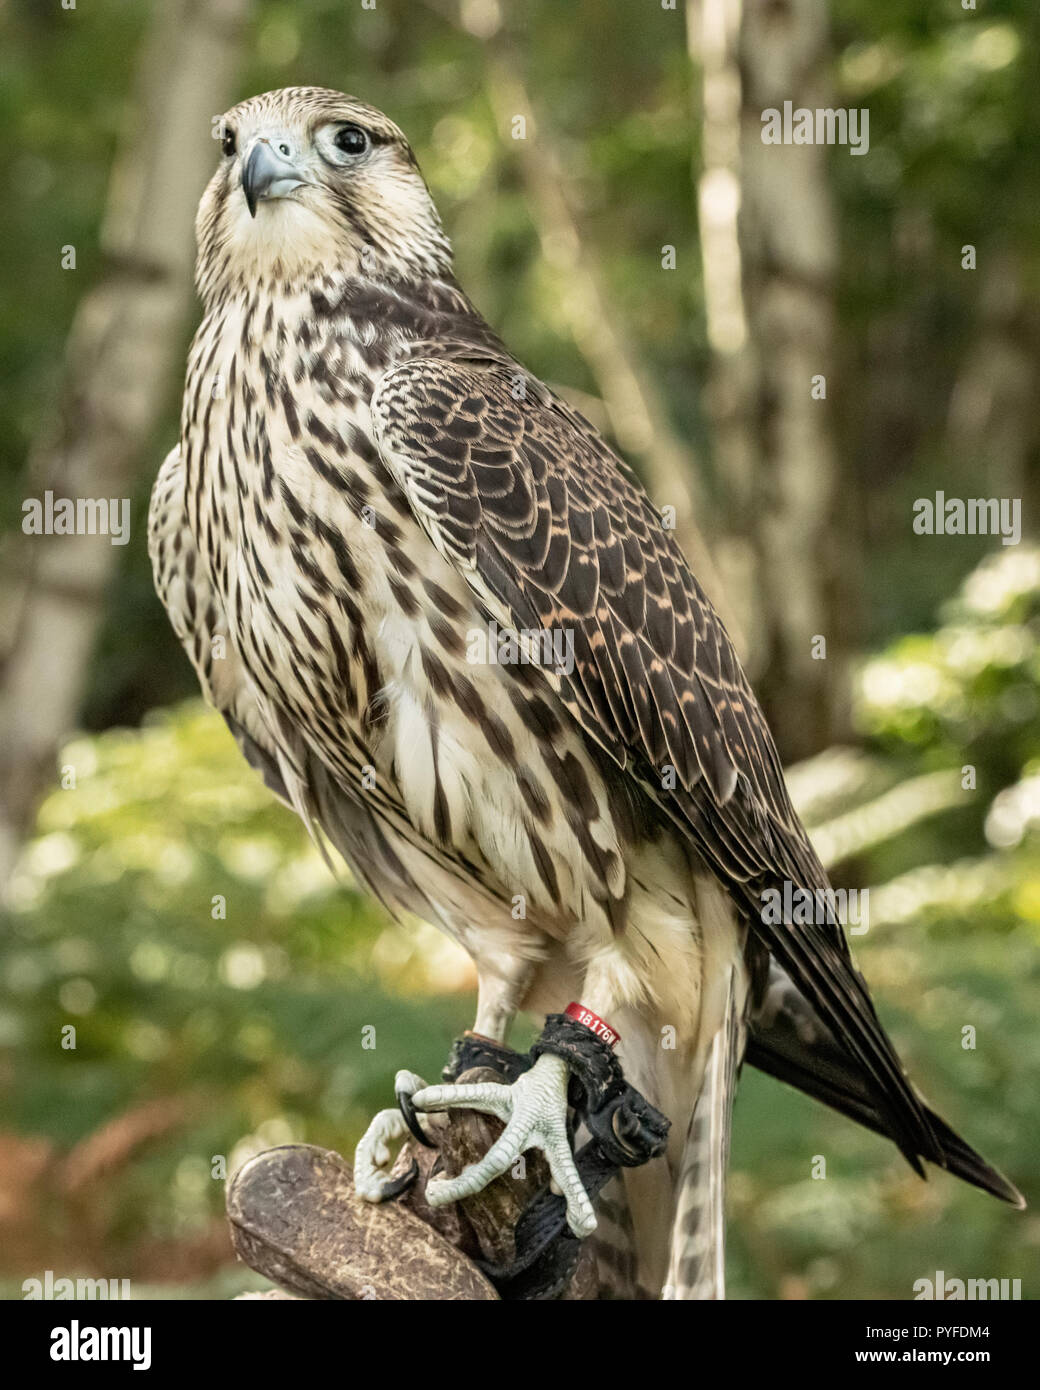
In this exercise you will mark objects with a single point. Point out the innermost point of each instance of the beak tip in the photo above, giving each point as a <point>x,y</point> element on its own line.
<point>267,174</point>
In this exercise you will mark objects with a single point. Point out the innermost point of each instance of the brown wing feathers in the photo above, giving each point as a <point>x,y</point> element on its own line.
<point>551,526</point>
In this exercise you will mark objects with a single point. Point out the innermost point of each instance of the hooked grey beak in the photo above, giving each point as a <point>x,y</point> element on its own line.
<point>268,173</point>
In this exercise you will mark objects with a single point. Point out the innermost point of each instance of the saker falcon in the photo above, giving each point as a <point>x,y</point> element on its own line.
<point>367,477</point>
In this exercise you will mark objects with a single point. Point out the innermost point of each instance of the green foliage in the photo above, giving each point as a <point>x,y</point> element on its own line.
<point>254,1022</point>
<point>952,944</point>
<point>974,686</point>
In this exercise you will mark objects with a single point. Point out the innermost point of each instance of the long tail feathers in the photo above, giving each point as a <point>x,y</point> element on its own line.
<point>697,1259</point>
<point>787,1040</point>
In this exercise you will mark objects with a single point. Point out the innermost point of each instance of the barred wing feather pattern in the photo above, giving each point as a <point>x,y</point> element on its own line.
<point>553,531</point>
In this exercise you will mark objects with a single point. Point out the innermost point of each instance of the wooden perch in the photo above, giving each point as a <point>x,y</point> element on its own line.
<point>296,1219</point>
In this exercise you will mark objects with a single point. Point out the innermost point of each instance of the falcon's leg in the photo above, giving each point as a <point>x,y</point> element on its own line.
<point>534,1111</point>
<point>498,999</point>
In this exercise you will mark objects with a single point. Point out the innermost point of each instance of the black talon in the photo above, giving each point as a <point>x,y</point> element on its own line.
<point>411,1119</point>
<point>395,1186</point>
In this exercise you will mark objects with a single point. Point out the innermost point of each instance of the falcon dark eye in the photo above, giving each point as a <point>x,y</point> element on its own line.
<point>351,139</point>
<point>227,143</point>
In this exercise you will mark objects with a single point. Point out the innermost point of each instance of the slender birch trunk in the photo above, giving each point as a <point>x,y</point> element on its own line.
<point>991,425</point>
<point>770,251</point>
<point>122,351</point>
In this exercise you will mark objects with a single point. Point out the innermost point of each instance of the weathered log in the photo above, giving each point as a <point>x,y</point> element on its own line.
<point>296,1219</point>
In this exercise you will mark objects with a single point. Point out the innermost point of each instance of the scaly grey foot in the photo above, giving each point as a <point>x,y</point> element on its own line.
<point>534,1112</point>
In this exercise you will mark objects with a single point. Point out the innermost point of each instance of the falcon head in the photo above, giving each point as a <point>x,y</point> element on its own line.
<point>310,181</point>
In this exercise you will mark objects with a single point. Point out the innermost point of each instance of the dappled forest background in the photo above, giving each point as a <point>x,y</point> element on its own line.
<point>683,284</point>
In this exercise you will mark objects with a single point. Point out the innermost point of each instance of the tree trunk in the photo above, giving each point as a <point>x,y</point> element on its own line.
<point>991,426</point>
<point>122,351</point>
<point>770,250</point>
